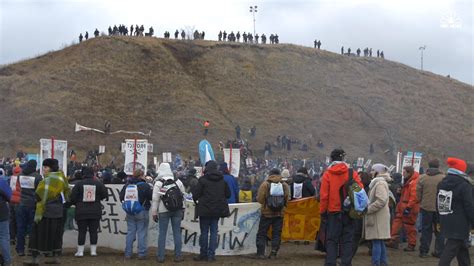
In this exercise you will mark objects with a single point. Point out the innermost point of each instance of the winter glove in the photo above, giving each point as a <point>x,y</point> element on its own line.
<point>407,212</point>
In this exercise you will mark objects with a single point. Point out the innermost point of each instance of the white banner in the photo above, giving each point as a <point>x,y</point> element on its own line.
<point>413,160</point>
<point>235,167</point>
<point>236,233</point>
<point>141,159</point>
<point>167,157</point>
<point>360,162</point>
<point>60,153</point>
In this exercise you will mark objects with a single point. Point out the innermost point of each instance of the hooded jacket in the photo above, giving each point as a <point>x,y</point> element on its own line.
<point>427,188</point>
<point>458,223</point>
<point>232,183</point>
<point>88,210</point>
<point>308,189</point>
<point>333,179</point>
<point>211,193</point>
<point>263,192</point>
<point>377,219</point>
<point>28,181</point>
<point>164,173</point>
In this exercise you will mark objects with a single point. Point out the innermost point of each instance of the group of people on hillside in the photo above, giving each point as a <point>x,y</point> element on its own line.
<point>367,52</point>
<point>445,201</point>
<point>246,37</point>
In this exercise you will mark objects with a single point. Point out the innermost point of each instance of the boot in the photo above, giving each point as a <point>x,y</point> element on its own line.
<point>93,250</point>
<point>54,260</point>
<point>80,251</point>
<point>409,248</point>
<point>392,244</point>
<point>273,254</point>
<point>33,261</point>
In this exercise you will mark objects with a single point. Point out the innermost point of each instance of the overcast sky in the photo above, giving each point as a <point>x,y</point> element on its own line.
<point>398,27</point>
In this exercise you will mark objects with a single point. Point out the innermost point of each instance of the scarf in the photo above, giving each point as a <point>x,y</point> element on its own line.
<point>460,173</point>
<point>50,188</point>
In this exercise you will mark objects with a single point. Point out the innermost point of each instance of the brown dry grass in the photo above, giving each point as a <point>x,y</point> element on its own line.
<point>171,86</point>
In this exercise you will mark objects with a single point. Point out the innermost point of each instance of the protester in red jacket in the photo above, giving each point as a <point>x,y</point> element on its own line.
<point>407,211</point>
<point>340,226</point>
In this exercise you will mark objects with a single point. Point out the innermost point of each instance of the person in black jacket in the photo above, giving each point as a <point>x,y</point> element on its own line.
<point>86,195</point>
<point>302,186</point>
<point>455,203</point>
<point>25,211</point>
<point>5,196</point>
<point>210,196</point>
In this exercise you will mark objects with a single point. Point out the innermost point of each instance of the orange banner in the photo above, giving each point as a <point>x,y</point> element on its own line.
<point>302,220</point>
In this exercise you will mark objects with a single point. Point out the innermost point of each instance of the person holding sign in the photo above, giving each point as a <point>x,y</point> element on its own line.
<point>86,195</point>
<point>47,232</point>
<point>135,197</point>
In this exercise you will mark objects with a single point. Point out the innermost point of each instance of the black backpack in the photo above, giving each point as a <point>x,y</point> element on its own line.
<point>275,202</point>
<point>173,198</point>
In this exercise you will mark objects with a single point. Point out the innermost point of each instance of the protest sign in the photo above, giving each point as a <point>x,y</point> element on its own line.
<point>232,160</point>
<point>59,152</point>
<point>135,152</point>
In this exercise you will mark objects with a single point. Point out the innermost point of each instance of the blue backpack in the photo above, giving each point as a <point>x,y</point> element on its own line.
<point>131,204</point>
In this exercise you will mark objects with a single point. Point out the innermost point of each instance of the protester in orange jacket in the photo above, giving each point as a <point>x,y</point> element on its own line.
<point>340,226</point>
<point>407,211</point>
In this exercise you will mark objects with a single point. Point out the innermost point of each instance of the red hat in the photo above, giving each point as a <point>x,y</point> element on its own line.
<point>456,163</point>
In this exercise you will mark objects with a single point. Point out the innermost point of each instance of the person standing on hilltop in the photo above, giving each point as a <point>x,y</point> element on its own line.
<point>96,33</point>
<point>342,50</point>
<point>80,37</point>
<point>176,33</point>
<point>319,44</point>
<point>206,127</point>
<point>86,36</point>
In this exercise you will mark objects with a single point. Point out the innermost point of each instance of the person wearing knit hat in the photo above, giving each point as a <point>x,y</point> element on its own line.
<point>379,168</point>
<point>455,205</point>
<point>28,181</point>
<point>47,232</point>
<point>426,192</point>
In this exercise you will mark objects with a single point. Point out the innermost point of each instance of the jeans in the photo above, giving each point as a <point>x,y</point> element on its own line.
<point>208,225</point>
<point>379,253</point>
<point>339,232</point>
<point>5,241</point>
<point>163,220</point>
<point>265,222</point>
<point>137,228</point>
<point>455,248</point>
<point>429,224</point>
<point>13,221</point>
<point>24,222</point>
<point>90,225</point>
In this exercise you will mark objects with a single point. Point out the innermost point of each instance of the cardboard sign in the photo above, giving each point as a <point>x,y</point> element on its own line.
<point>234,166</point>
<point>141,156</point>
<point>60,153</point>
<point>27,182</point>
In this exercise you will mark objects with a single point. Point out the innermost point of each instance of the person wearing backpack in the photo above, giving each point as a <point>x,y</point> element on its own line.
<point>135,197</point>
<point>87,195</point>
<point>273,194</point>
<point>210,196</point>
<point>455,204</point>
<point>302,186</point>
<point>27,183</point>
<point>167,205</point>
<point>377,219</point>
<point>340,225</point>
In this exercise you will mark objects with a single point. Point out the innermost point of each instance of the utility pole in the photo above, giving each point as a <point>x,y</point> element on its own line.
<point>253,10</point>
<point>422,48</point>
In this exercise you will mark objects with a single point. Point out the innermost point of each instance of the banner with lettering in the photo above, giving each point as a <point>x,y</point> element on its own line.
<point>302,220</point>
<point>236,235</point>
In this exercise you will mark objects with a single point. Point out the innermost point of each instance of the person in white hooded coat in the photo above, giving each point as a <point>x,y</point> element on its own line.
<point>377,219</point>
<point>164,181</point>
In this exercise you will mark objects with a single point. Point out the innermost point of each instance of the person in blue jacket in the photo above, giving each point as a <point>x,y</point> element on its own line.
<point>231,182</point>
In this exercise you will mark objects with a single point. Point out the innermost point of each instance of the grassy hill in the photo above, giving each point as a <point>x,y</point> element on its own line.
<point>170,87</point>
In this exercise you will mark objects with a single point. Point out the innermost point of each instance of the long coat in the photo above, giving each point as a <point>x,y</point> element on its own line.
<point>377,219</point>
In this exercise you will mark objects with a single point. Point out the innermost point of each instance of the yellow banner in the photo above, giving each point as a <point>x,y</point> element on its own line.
<point>302,220</point>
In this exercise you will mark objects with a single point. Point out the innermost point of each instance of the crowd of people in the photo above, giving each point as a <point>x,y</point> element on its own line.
<point>396,206</point>
<point>247,37</point>
<point>367,52</point>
